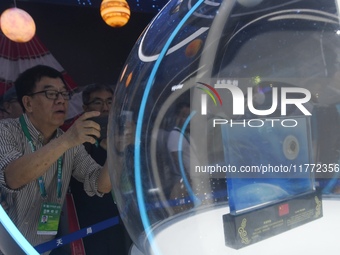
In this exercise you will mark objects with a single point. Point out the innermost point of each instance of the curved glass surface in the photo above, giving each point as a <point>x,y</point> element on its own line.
<point>225,107</point>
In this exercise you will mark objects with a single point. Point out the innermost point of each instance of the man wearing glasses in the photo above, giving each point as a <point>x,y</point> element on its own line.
<point>37,159</point>
<point>92,210</point>
<point>98,97</point>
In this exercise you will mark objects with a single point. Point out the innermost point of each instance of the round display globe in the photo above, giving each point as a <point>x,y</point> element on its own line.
<point>224,131</point>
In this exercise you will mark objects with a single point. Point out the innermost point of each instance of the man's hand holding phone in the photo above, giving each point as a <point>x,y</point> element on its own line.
<point>83,130</point>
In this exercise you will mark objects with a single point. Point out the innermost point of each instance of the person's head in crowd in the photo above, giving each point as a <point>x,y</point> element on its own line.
<point>43,95</point>
<point>11,105</point>
<point>97,97</point>
<point>182,112</point>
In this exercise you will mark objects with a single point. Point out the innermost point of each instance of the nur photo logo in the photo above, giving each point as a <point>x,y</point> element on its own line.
<point>239,100</point>
<point>211,91</point>
<point>280,98</point>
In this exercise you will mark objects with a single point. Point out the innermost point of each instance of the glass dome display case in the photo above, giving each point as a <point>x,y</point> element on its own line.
<point>230,108</point>
<point>223,136</point>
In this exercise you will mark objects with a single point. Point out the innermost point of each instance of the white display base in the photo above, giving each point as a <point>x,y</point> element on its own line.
<point>203,234</point>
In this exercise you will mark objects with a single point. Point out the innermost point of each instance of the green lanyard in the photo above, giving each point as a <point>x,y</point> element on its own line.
<point>40,179</point>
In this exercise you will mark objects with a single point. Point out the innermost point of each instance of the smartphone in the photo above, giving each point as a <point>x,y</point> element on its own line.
<point>103,122</point>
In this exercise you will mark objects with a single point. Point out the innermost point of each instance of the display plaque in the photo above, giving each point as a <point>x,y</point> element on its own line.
<point>271,188</point>
<point>248,228</point>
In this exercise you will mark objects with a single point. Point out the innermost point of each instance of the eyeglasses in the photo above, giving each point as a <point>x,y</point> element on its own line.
<point>99,103</point>
<point>52,94</point>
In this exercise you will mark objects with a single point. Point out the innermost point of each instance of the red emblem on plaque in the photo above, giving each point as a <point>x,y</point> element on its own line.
<point>283,209</point>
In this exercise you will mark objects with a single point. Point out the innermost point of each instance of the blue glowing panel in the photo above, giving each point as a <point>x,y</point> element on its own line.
<point>270,160</point>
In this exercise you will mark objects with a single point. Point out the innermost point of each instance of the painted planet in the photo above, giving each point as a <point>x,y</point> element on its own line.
<point>128,79</point>
<point>193,47</point>
<point>258,193</point>
<point>17,25</point>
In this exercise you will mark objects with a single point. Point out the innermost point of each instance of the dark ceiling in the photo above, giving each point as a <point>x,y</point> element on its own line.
<point>150,6</point>
<point>78,38</point>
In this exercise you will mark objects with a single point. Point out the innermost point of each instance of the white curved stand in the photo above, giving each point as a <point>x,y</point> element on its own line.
<point>203,233</point>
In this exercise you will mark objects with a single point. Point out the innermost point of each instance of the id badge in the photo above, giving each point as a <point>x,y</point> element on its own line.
<point>49,219</point>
